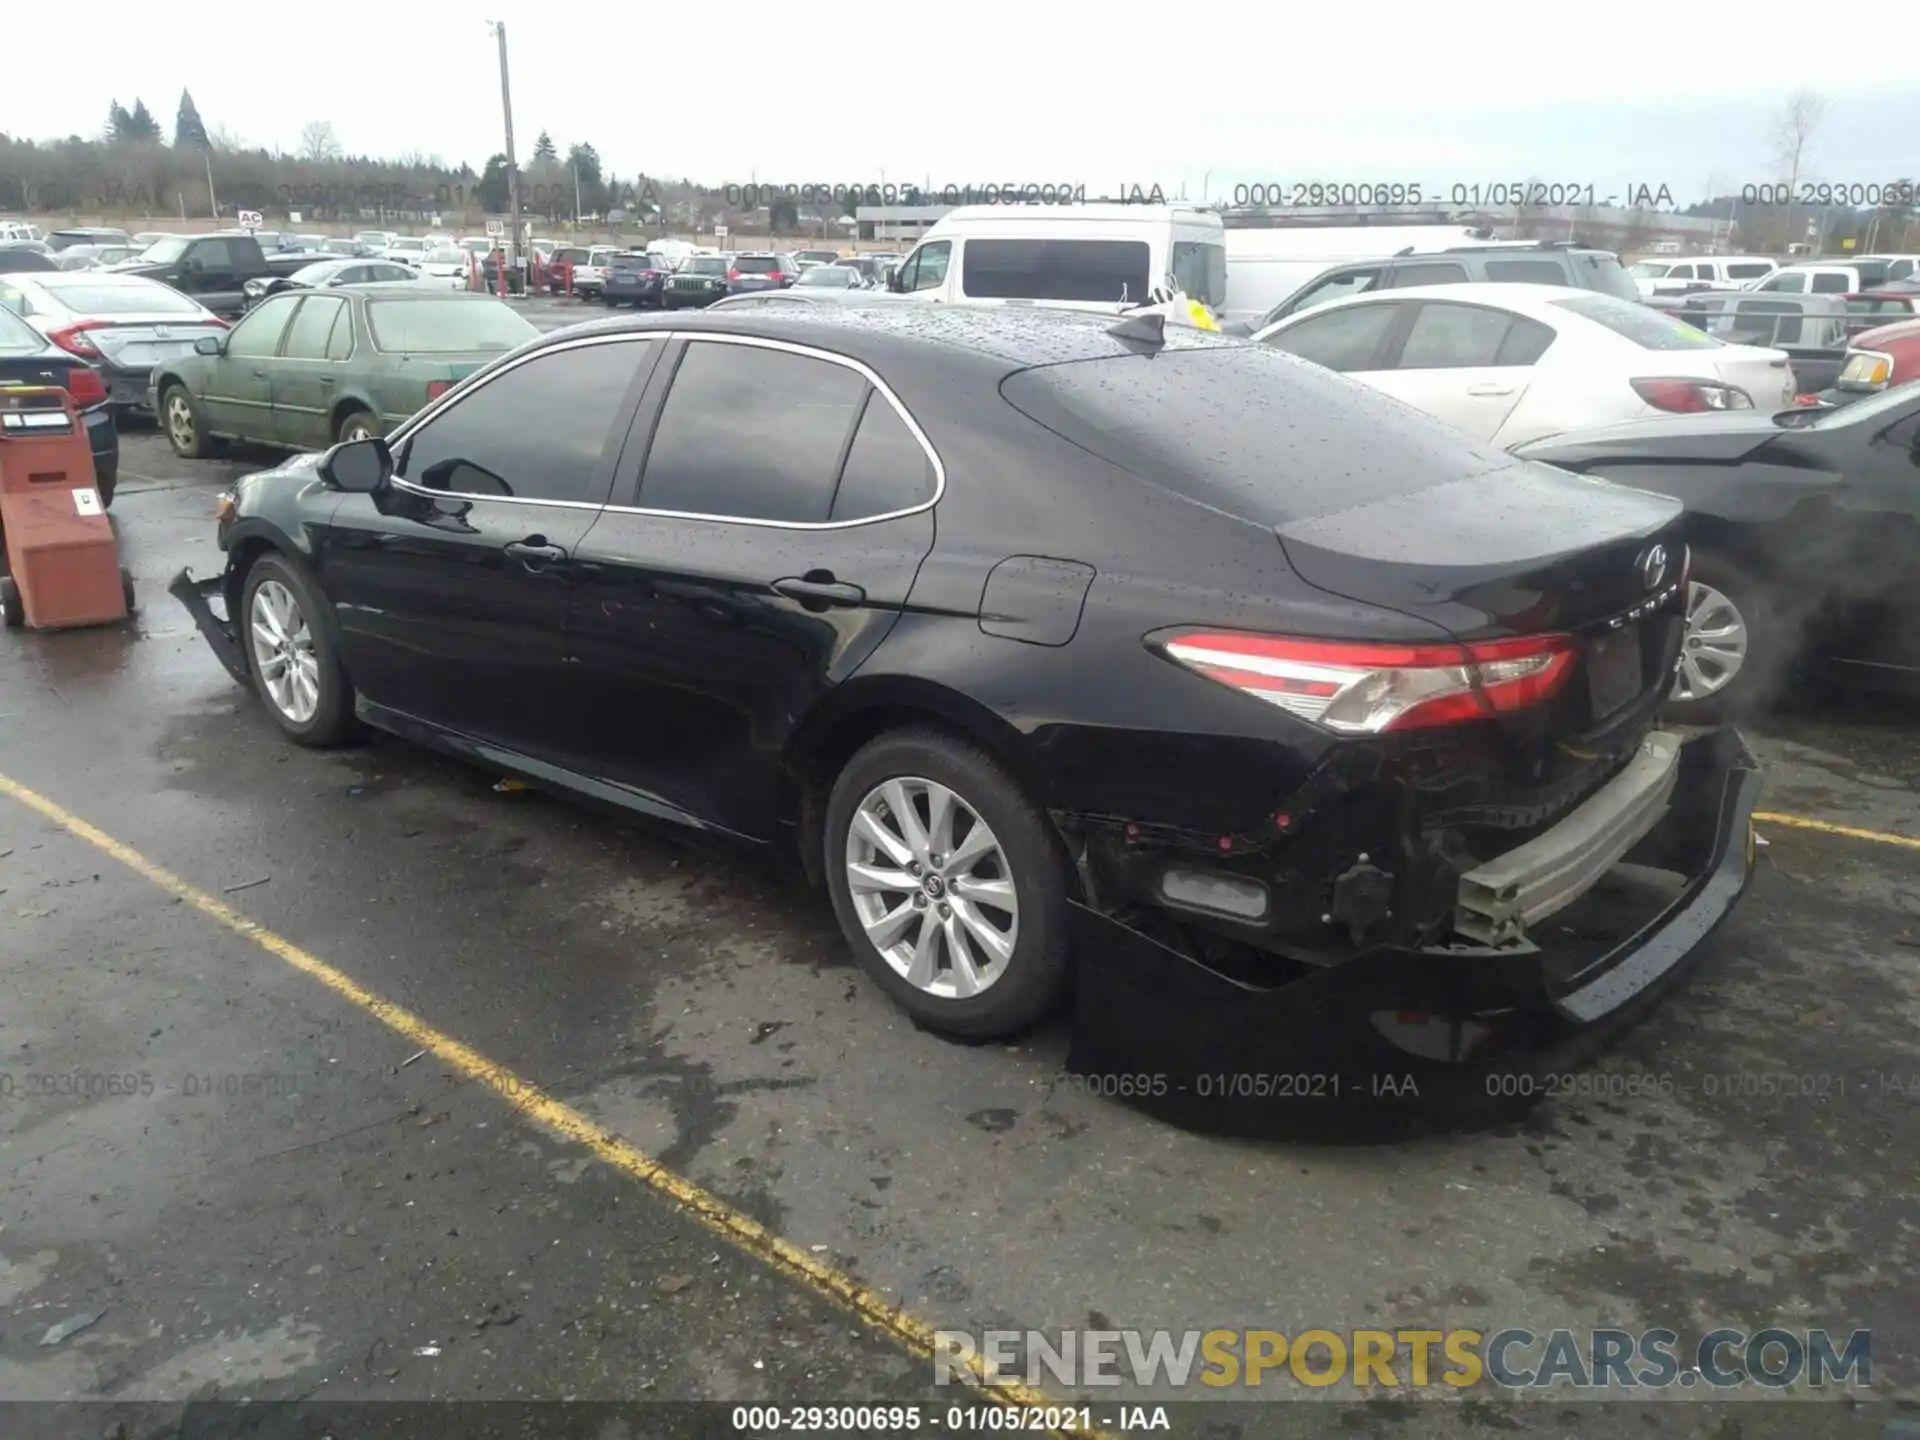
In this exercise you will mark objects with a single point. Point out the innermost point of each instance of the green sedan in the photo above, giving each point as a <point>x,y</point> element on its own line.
<point>310,367</point>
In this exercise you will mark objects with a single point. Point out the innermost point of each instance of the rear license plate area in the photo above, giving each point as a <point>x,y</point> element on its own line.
<point>1614,672</point>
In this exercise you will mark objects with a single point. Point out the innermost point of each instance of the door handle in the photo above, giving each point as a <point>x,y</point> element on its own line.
<point>259,374</point>
<point>1490,389</point>
<point>535,553</point>
<point>818,590</point>
<point>326,379</point>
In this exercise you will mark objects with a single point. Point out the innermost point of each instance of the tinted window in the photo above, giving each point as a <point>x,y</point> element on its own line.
<point>1099,270</point>
<point>440,327</point>
<point>1829,282</point>
<point>1527,340</point>
<point>751,433</point>
<point>1201,271</point>
<point>757,265</point>
<point>927,269</point>
<point>1439,272</point>
<point>1748,272</point>
<point>212,254</point>
<point>537,432</point>
<point>1528,272</point>
<point>312,326</point>
<point>388,272</point>
<point>1446,337</point>
<point>259,334</point>
<point>1789,283</point>
<point>887,469</point>
<point>340,343</point>
<point>1342,340</point>
<point>1646,327</point>
<point>705,265</point>
<point>1284,440</point>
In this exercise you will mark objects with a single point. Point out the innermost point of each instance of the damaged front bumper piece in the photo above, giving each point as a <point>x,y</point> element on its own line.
<point>218,630</point>
<point>1397,1039</point>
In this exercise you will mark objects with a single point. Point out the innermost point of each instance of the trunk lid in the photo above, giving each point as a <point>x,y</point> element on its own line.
<point>140,342</point>
<point>1763,373</point>
<point>1716,437</point>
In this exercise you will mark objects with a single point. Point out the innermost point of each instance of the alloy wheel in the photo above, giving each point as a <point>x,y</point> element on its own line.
<point>180,421</point>
<point>283,653</point>
<point>932,887</point>
<point>1715,647</point>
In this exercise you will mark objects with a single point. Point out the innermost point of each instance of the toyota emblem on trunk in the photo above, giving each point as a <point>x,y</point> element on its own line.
<point>1653,566</point>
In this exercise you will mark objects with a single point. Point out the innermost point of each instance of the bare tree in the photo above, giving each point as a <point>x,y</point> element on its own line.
<point>1793,138</point>
<point>318,142</point>
<point>222,137</point>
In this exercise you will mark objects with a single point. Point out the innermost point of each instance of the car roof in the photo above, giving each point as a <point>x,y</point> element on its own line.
<point>1004,338</point>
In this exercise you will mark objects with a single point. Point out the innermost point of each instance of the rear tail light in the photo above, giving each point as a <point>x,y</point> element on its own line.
<point>1684,397</point>
<point>73,338</point>
<point>1366,689</point>
<point>733,274</point>
<point>437,388</point>
<point>85,386</point>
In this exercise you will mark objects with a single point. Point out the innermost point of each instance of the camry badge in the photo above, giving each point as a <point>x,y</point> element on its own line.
<point>1653,566</point>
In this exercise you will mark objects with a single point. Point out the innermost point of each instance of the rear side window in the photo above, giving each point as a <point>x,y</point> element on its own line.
<point>1646,327</point>
<point>1528,272</point>
<point>887,469</point>
<point>1450,337</point>
<point>1093,270</point>
<point>307,337</point>
<point>1435,272</point>
<point>752,434</point>
<point>1284,441</point>
<point>1342,340</point>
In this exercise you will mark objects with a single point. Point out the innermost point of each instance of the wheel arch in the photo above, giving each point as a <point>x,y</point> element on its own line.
<point>862,710</point>
<point>347,405</point>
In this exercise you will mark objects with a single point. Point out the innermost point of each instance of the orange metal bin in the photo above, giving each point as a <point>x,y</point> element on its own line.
<point>63,563</point>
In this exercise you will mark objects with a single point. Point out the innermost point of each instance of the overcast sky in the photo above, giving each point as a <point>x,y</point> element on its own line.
<point>1020,92</point>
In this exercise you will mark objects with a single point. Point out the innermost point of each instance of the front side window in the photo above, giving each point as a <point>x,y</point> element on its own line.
<point>1831,282</point>
<point>1345,340</point>
<point>536,432</point>
<point>927,270</point>
<point>1787,283</point>
<point>1201,271</point>
<point>1748,272</point>
<point>1340,286</point>
<point>312,327</point>
<point>259,334</point>
<point>751,434</point>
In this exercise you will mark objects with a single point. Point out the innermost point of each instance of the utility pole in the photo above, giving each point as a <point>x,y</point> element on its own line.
<point>513,171</point>
<point>213,205</point>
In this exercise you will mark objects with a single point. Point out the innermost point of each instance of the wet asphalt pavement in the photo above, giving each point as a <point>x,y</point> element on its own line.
<point>283,1206</point>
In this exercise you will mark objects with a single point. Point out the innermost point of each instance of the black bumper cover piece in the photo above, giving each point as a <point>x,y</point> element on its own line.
<point>219,633</point>
<point>1327,1056</point>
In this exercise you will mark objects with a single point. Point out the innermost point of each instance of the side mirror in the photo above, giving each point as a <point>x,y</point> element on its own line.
<point>893,281</point>
<point>209,345</point>
<point>193,267</point>
<point>359,467</point>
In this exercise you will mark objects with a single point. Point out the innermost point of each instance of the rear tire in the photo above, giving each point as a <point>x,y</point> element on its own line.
<point>976,938</point>
<point>1737,650</point>
<point>357,425</point>
<point>11,612</point>
<point>301,681</point>
<point>126,587</point>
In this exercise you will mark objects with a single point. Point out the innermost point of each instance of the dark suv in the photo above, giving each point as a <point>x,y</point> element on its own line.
<point>765,271</point>
<point>1538,262</point>
<point>636,280</point>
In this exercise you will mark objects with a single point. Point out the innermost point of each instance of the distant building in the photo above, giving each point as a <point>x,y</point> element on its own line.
<point>897,222</point>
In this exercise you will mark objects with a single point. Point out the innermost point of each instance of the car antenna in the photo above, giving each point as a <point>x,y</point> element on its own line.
<point>1398,253</point>
<point>1148,330</point>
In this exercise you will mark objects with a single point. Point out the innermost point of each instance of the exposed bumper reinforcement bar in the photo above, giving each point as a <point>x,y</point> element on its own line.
<point>1396,1039</point>
<point>1500,899</point>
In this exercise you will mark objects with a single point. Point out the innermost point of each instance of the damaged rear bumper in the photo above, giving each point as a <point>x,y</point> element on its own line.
<point>218,630</point>
<point>1419,1034</point>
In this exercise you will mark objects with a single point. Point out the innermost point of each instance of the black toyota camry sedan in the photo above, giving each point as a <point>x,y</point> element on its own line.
<point>1059,647</point>
<point>1805,528</point>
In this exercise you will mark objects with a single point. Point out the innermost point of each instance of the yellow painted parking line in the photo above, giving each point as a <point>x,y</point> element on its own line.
<point>745,1233</point>
<point>1827,827</point>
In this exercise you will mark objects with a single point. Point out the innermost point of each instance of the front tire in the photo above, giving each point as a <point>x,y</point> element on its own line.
<point>185,423</point>
<point>949,883</point>
<point>292,655</point>
<point>1732,660</point>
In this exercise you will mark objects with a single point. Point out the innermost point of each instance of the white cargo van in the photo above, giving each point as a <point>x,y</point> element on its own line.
<point>1267,266</point>
<point>1083,256</point>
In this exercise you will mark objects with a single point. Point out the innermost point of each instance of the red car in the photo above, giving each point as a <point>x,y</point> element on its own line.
<point>1878,359</point>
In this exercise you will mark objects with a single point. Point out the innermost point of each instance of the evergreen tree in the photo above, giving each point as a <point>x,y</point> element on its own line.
<point>544,148</point>
<point>188,129</point>
<point>119,123</point>
<point>140,124</point>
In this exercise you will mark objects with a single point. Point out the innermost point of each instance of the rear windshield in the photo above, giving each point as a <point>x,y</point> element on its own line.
<point>757,265</point>
<point>1648,328</point>
<point>138,298</point>
<point>630,262</point>
<point>705,265</point>
<point>1086,270</point>
<point>433,327</point>
<point>1248,430</point>
<point>1609,277</point>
